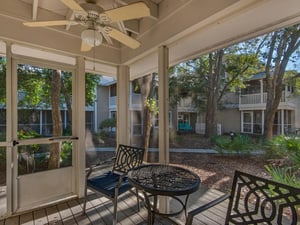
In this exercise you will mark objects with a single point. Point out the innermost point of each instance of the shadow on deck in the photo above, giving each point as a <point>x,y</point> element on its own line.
<point>99,211</point>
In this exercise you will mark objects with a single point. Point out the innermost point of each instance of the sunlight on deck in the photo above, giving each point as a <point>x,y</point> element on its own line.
<point>99,211</point>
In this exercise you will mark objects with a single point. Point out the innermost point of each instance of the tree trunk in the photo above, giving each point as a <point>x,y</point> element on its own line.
<point>215,70</point>
<point>146,84</point>
<point>68,104</point>
<point>282,44</point>
<point>54,159</point>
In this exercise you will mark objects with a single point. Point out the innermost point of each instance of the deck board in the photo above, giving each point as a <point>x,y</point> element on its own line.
<point>53,216</point>
<point>99,212</point>
<point>27,219</point>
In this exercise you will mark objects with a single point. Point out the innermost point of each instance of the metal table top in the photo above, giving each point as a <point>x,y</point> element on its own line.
<point>168,180</point>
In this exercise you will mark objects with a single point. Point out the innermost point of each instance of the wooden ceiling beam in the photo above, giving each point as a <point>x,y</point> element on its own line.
<point>35,5</point>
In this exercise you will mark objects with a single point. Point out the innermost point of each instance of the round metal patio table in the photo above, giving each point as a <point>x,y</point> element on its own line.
<point>163,180</point>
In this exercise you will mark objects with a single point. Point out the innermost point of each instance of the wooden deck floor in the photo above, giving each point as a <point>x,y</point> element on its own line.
<point>99,212</point>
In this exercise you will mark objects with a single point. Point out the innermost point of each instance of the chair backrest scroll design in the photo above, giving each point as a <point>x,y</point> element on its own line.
<point>128,157</point>
<point>255,200</point>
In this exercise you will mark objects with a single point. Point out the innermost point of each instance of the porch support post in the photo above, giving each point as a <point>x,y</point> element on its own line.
<point>123,125</point>
<point>9,133</point>
<point>163,116</point>
<point>163,104</point>
<point>78,125</point>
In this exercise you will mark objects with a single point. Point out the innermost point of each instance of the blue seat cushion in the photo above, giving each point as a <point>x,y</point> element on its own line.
<point>106,183</point>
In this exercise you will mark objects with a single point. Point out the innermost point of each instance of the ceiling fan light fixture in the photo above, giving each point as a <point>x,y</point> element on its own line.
<point>91,37</point>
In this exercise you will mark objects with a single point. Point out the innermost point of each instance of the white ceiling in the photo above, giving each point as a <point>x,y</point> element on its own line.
<point>187,27</point>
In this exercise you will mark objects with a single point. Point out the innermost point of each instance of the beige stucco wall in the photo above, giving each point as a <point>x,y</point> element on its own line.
<point>230,119</point>
<point>103,104</point>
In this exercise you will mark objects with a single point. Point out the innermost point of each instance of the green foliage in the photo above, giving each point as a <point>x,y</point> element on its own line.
<point>151,104</point>
<point>37,157</point>
<point>108,123</point>
<point>283,175</point>
<point>91,82</point>
<point>103,134</point>
<point>2,158</point>
<point>239,144</point>
<point>2,136</point>
<point>26,134</point>
<point>285,147</point>
<point>221,142</point>
<point>66,154</point>
<point>2,80</point>
<point>287,150</point>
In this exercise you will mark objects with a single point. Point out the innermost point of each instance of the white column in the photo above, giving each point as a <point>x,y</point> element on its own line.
<point>123,125</point>
<point>65,118</point>
<point>262,121</point>
<point>261,91</point>
<point>163,104</point>
<point>10,167</point>
<point>78,126</point>
<point>282,121</point>
<point>242,121</point>
<point>41,122</point>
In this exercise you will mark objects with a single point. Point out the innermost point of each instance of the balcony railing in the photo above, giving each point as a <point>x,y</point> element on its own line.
<point>135,101</point>
<point>252,99</point>
<point>185,102</point>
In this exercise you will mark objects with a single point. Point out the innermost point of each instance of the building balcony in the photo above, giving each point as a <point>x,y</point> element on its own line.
<point>136,101</point>
<point>258,101</point>
<point>186,105</point>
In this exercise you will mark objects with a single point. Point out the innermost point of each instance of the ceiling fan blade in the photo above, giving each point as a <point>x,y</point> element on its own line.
<point>123,38</point>
<point>49,23</point>
<point>73,5</point>
<point>132,11</point>
<point>85,47</point>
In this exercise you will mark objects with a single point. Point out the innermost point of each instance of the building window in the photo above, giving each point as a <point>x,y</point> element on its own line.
<point>257,122</point>
<point>113,114</point>
<point>113,90</point>
<point>137,123</point>
<point>247,121</point>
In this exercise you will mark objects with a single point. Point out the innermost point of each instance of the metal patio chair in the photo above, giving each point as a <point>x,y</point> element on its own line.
<point>255,200</point>
<point>113,183</point>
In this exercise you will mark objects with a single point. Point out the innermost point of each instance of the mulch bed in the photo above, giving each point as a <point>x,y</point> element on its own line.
<point>215,170</point>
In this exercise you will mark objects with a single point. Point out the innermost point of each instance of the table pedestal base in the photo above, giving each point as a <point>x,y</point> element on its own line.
<point>153,210</point>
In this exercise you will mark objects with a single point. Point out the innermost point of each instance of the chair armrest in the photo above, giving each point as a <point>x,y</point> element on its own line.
<point>99,165</point>
<point>121,177</point>
<point>204,207</point>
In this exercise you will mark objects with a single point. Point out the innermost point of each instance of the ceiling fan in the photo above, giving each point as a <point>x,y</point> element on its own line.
<point>97,21</point>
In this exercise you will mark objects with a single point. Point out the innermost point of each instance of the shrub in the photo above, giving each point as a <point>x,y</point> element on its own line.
<point>283,175</point>
<point>25,134</point>
<point>2,158</point>
<point>66,154</point>
<point>108,123</point>
<point>286,148</point>
<point>238,144</point>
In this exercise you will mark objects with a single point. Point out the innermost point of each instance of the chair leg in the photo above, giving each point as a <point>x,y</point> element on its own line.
<point>84,201</point>
<point>137,199</point>
<point>115,203</point>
